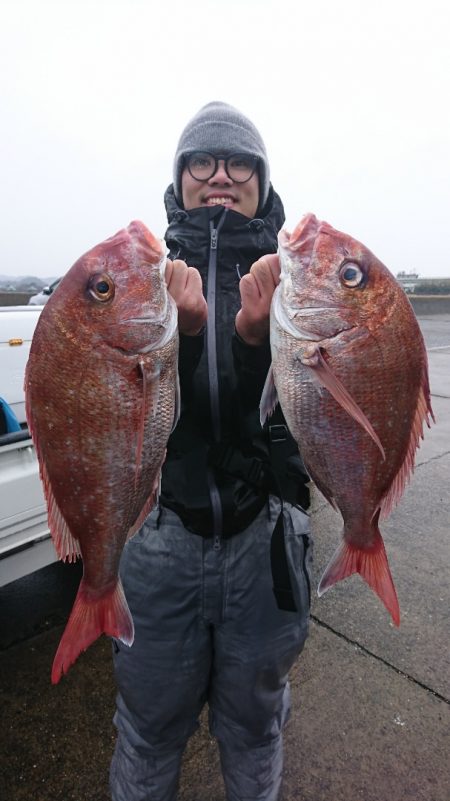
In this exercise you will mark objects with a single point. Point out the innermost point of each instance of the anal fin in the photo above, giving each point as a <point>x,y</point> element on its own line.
<point>269,397</point>
<point>66,545</point>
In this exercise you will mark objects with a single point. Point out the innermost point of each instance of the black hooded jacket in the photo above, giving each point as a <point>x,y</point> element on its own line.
<point>220,464</point>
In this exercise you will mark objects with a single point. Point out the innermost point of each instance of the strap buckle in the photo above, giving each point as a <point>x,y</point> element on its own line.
<point>278,433</point>
<point>231,461</point>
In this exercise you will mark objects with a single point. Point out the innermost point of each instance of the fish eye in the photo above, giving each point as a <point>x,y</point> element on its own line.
<point>351,275</point>
<point>101,287</point>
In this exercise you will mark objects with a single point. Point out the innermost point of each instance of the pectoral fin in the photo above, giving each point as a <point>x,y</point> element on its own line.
<point>177,407</point>
<point>269,397</point>
<point>335,387</point>
<point>149,405</point>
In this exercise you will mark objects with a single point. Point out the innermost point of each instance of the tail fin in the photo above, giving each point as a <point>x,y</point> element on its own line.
<point>372,565</point>
<point>91,617</point>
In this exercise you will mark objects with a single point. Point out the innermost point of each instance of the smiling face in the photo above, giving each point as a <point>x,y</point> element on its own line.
<point>221,190</point>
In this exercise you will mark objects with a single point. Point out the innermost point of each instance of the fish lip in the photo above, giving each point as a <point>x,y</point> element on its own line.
<point>283,238</point>
<point>143,320</point>
<point>166,336</point>
<point>157,317</point>
<point>284,319</point>
<point>303,315</point>
<point>288,318</point>
<point>312,309</point>
<point>169,331</point>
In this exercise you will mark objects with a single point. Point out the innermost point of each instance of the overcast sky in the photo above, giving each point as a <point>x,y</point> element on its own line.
<point>352,99</point>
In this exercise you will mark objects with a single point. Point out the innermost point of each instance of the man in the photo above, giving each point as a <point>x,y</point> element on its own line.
<point>217,578</point>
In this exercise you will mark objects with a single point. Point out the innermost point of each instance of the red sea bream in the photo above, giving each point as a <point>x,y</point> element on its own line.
<point>349,369</point>
<point>102,398</point>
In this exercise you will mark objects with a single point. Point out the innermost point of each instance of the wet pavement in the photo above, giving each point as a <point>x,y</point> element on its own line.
<point>370,702</point>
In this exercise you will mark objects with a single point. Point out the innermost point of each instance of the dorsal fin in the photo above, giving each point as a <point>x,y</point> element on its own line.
<point>422,415</point>
<point>149,405</point>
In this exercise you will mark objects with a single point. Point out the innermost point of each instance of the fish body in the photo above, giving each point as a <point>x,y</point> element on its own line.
<point>101,389</point>
<point>349,369</point>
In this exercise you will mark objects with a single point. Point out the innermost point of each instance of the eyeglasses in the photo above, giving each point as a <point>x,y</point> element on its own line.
<point>239,166</point>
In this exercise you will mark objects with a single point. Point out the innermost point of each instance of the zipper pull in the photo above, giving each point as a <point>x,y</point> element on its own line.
<point>213,239</point>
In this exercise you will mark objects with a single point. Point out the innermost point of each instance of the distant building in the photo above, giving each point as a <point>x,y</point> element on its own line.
<point>408,281</point>
<point>411,283</point>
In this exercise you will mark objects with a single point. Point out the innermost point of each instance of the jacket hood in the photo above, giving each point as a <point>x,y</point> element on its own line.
<point>193,227</point>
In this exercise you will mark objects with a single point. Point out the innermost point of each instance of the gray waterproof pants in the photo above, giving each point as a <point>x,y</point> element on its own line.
<point>207,630</point>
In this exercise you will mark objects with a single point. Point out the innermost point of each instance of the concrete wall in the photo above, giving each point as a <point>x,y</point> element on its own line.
<point>422,304</point>
<point>430,304</point>
<point>15,298</point>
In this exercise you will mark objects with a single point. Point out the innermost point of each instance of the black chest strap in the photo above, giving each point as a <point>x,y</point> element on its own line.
<point>270,477</point>
<point>282,586</point>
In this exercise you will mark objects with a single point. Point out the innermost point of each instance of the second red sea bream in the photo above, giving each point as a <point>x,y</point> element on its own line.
<point>349,368</point>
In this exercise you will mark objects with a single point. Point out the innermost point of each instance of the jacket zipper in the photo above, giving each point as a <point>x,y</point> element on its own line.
<point>213,374</point>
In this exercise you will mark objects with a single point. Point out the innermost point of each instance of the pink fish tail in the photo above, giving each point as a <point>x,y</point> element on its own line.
<point>91,616</point>
<point>372,565</point>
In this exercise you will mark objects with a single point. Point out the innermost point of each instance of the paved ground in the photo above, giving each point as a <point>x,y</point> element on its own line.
<point>371,718</point>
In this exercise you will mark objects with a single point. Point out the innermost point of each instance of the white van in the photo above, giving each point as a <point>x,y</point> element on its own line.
<point>25,543</point>
<point>17,324</point>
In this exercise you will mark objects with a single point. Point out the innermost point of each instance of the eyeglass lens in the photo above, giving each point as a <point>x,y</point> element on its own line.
<point>239,166</point>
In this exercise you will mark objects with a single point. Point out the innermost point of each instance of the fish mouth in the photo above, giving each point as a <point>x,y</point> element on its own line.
<point>285,318</point>
<point>147,244</point>
<point>313,323</point>
<point>303,236</point>
<point>144,320</point>
<point>158,316</point>
<point>308,311</point>
<point>141,240</point>
<point>316,322</point>
<point>167,321</point>
<point>283,237</point>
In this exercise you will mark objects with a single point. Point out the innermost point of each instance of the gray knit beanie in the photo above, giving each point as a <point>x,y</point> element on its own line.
<point>220,128</point>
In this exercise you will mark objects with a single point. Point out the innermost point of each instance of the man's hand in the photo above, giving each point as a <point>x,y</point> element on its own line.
<point>257,288</point>
<point>185,286</point>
